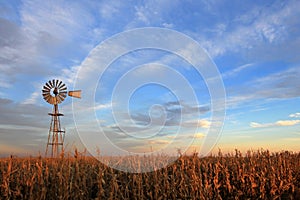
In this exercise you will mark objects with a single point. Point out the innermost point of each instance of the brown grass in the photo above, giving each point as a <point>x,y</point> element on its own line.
<point>257,175</point>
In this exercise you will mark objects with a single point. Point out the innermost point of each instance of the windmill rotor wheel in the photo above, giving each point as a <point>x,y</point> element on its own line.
<point>54,92</point>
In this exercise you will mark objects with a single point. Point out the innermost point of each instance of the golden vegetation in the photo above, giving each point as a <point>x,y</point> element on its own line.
<point>257,175</point>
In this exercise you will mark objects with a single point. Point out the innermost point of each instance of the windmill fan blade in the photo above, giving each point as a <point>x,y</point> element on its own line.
<point>63,85</point>
<point>47,84</point>
<point>54,100</point>
<point>63,94</point>
<point>46,94</point>
<point>50,100</point>
<point>75,93</point>
<point>59,84</point>
<point>46,87</point>
<point>53,83</point>
<point>46,91</point>
<point>47,98</point>
<point>50,84</point>
<point>58,99</point>
<point>63,89</point>
<point>56,84</point>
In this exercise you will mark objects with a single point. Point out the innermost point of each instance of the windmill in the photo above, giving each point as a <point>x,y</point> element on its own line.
<point>55,92</point>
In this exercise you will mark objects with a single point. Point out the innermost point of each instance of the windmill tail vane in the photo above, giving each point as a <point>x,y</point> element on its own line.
<point>75,93</point>
<point>54,92</point>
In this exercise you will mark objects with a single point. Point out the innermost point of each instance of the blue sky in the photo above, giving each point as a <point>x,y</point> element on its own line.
<point>254,44</point>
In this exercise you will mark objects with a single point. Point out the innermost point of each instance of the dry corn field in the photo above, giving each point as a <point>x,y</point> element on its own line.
<point>256,175</point>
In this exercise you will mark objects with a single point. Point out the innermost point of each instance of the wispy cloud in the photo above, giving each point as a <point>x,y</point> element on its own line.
<point>295,115</point>
<point>199,135</point>
<point>33,98</point>
<point>279,85</point>
<point>47,40</point>
<point>153,13</point>
<point>235,71</point>
<point>109,9</point>
<point>277,123</point>
<point>259,29</point>
<point>201,123</point>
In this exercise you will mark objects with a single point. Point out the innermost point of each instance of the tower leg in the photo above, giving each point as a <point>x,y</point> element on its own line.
<point>56,135</point>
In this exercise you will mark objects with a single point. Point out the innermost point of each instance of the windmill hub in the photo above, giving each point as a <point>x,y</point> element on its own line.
<point>55,92</point>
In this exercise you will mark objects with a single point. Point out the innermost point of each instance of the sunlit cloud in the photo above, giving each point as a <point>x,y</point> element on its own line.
<point>287,122</point>
<point>159,142</point>
<point>100,106</point>
<point>201,123</point>
<point>199,135</point>
<point>277,123</point>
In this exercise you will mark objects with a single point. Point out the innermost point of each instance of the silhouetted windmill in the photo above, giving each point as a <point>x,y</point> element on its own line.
<point>55,92</point>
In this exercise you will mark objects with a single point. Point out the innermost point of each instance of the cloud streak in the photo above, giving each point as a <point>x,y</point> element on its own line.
<point>275,124</point>
<point>276,86</point>
<point>295,115</point>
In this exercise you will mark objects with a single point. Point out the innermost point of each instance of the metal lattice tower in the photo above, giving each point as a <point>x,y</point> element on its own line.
<point>56,136</point>
<point>54,92</point>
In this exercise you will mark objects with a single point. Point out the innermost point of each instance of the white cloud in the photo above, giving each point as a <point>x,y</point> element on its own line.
<point>141,14</point>
<point>199,135</point>
<point>168,25</point>
<point>275,124</point>
<point>204,123</point>
<point>102,106</point>
<point>287,122</point>
<point>295,115</point>
<point>159,142</point>
<point>33,98</point>
<point>201,123</point>
<point>257,125</point>
<point>69,75</point>
<point>235,71</point>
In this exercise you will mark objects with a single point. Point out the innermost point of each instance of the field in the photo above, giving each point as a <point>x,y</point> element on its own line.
<point>256,175</point>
